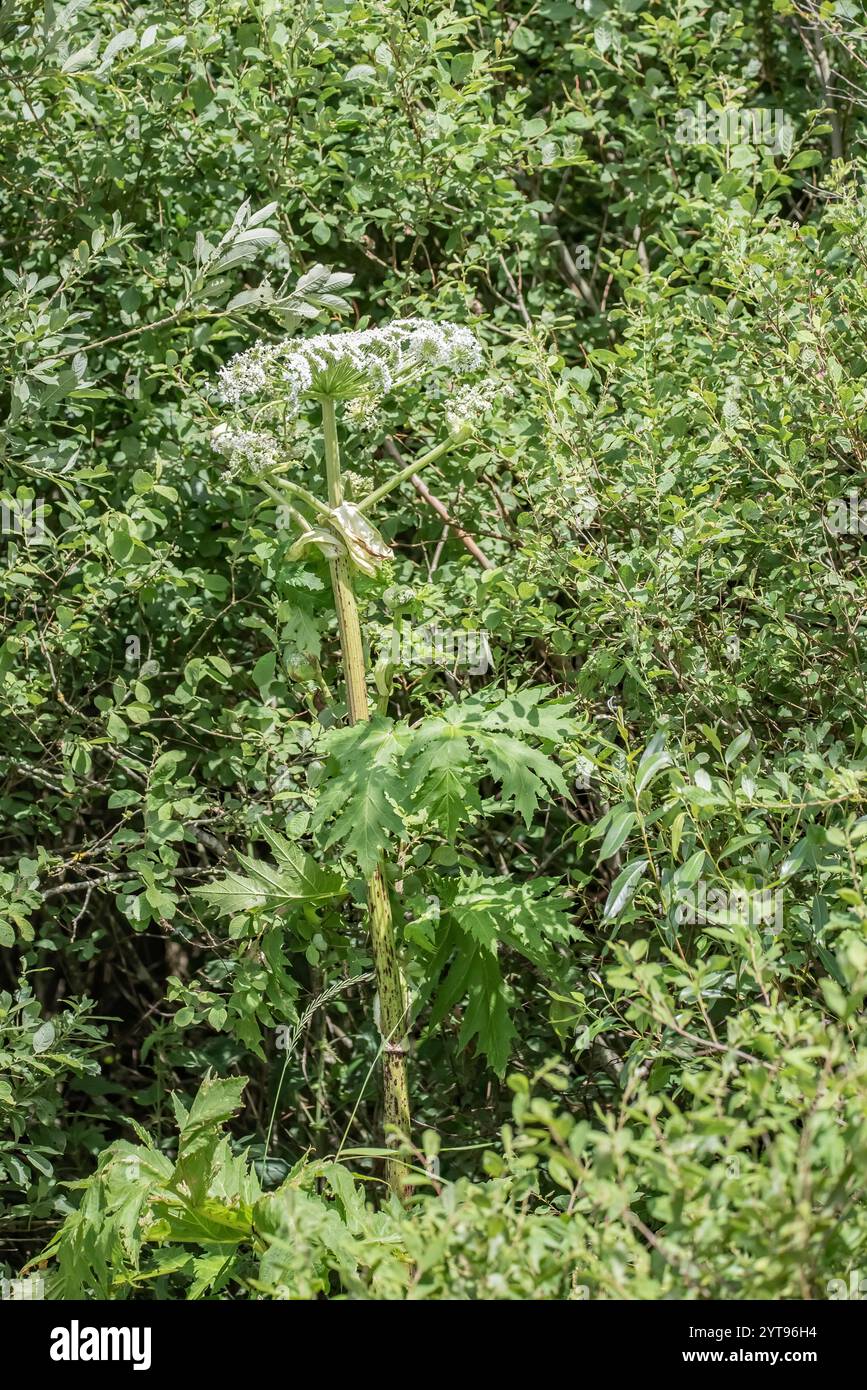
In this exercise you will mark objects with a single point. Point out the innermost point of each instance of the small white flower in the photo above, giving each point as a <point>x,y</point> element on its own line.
<point>255,450</point>
<point>363,412</point>
<point>468,405</point>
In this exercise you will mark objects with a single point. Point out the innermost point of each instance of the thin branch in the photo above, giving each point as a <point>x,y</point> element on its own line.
<point>439,507</point>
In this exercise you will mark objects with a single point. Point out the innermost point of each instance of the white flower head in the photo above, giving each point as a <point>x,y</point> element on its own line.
<point>362,411</point>
<point>469,404</point>
<point>348,365</point>
<point>256,451</point>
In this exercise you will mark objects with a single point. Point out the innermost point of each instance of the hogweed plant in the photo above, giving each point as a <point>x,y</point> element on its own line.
<point>265,386</point>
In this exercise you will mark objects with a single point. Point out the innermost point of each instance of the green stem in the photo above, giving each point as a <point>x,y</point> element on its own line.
<point>295,491</point>
<point>389,977</point>
<point>300,521</point>
<point>430,457</point>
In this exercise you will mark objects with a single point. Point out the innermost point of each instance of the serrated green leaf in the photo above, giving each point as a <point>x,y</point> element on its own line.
<point>297,878</point>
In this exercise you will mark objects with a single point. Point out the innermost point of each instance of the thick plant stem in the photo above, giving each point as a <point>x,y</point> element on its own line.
<point>389,977</point>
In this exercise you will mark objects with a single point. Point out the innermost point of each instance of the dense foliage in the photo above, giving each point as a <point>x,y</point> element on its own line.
<point>617,763</point>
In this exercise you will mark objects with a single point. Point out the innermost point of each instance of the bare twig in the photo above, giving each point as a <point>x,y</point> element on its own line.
<point>439,507</point>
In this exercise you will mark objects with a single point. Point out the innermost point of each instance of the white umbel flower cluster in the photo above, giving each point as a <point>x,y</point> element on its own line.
<point>468,405</point>
<point>257,451</point>
<point>346,365</point>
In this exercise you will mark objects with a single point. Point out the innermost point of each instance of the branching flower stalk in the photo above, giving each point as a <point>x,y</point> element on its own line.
<point>328,368</point>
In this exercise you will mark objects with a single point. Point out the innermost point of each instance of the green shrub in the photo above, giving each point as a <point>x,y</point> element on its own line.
<point>627,855</point>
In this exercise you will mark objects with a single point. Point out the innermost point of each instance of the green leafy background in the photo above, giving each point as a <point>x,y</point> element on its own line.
<point>611,1099</point>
